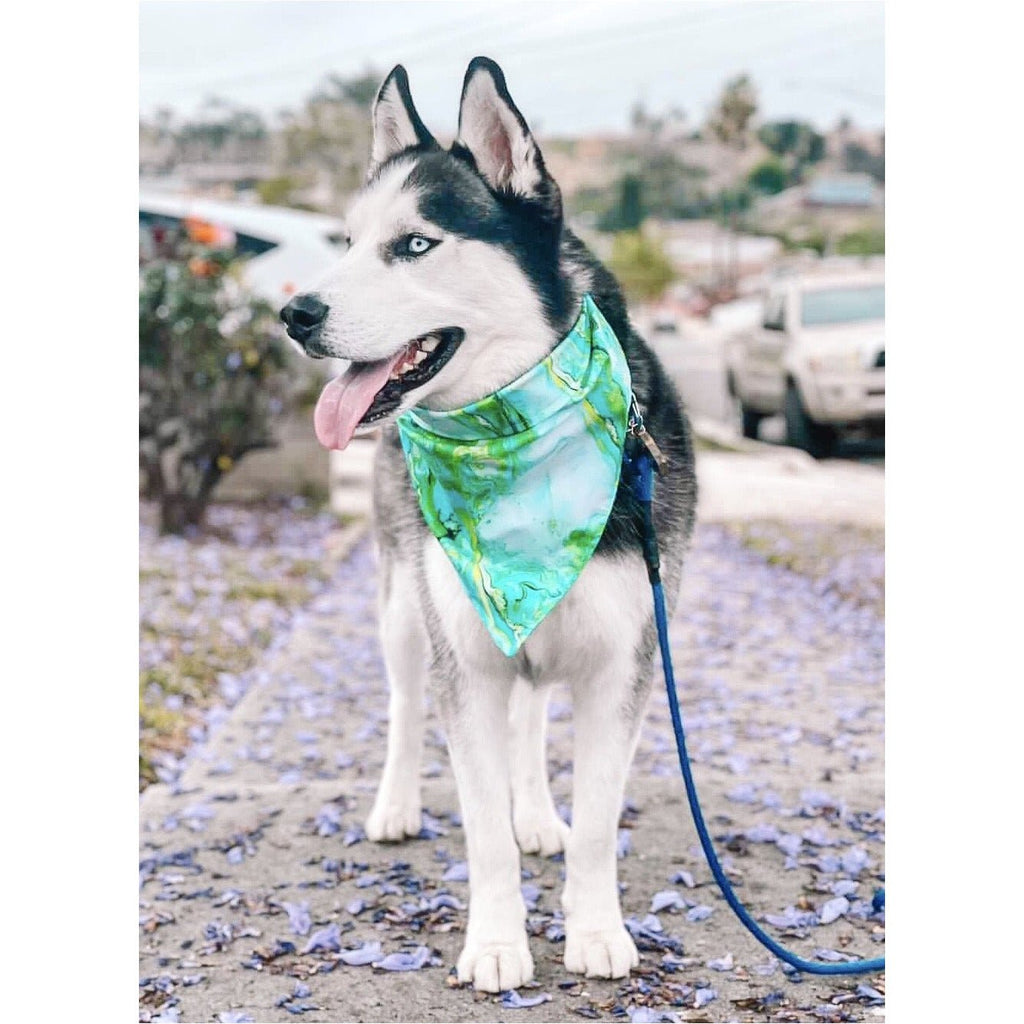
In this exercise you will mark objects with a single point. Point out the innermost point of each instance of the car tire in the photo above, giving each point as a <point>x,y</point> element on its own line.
<point>745,419</point>
<point>750,422</point>
<point>802,432</point>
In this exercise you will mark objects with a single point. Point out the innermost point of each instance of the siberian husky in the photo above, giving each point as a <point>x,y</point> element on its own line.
<point>460,276</point>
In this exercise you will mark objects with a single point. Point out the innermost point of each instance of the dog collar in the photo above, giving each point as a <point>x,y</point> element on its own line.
<point>518,486</point>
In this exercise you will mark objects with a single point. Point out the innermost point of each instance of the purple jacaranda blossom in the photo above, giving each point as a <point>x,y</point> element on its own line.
<point>458,871</point>
<point>442,900</point>
<point>763,832</point>
<point>867,992</point>
<point>700,913</point>
<point>833,909</point>
<point>430,827</point>
<point>843,887</point>
<point>555,932</point>
<point>703,996</point>
<point>817,836</point>
<point>367,953</point>
<point>365,881</point>
<point>353,835</point>
<point>667,899</point>
<point>683,878</point>
<point>724,963</point>
<point>854,861</point>
<point>328,820</point>
<point>789,843</point>
<point>327,939</point>
<point>419,958</point>
<point>234,1017</point>
<point>743,794</point>
<point>170,1015</point>
<point>832,955</point>
<point>651,923</point>
<point>793,918</point>
<point>512,1000</point>
<point>356,907</point>
<point>624,843</point>
<point>299,920</point>
<point>235,855</point>
<point>531,893</point>
<point>645,1015</point>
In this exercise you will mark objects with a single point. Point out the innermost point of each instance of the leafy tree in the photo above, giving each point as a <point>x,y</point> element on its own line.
<point>795,139</point>
<point>628,213</point>
<point>768,177</point>
<point>329,139</point>
<point>736,107</point>
<point>211,362</point>
<point>641,265</point>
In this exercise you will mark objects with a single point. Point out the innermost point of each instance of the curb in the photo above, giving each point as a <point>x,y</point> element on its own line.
<point>721,436</point>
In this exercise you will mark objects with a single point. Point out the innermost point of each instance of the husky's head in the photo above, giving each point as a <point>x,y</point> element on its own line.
<point>451,286</point>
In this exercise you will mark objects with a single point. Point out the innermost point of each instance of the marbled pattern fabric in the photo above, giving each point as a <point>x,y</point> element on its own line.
<point>517,487</point>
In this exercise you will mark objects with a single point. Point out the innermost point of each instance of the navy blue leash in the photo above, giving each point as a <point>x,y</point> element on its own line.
<point>638,470</point>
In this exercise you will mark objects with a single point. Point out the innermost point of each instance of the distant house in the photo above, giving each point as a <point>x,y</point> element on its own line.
<point>845,191</point>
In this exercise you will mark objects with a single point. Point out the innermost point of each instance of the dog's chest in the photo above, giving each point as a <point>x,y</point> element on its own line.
<point>603,613</point>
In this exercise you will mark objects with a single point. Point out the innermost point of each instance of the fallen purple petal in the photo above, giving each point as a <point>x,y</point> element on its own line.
<point>405,961</point>
<point>327,939</point>
<point>299,920</point>
<point>512,1000</point>
<point>367,953</point>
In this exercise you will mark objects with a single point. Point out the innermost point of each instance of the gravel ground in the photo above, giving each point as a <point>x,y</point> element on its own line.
<point>778,644</point>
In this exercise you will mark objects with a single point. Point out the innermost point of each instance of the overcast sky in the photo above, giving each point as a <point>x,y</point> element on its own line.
<point>571,67</point>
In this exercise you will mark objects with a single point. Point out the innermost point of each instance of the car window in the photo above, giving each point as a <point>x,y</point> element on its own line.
<point>842,305</point>
<point>250,245</point>
<point>775,313</point>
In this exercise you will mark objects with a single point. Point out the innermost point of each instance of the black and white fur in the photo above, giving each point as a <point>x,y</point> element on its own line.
<point>505,269</point>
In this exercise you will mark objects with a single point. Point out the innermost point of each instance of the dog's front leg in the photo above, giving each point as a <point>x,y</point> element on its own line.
<point>608,708</point>
<point>537,825</point>
<point>496,955</point>
<point>396,812</point>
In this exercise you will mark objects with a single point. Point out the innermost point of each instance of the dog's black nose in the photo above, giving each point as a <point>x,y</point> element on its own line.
<point>304,316</point>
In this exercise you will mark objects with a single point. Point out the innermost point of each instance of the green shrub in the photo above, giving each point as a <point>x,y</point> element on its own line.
<point>211,378</point>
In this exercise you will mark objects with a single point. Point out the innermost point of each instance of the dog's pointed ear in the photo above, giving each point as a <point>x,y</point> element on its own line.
<point>496,135</point>
<point>396,124</point>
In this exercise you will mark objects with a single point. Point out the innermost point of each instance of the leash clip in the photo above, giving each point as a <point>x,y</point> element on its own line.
<point>640,432</point>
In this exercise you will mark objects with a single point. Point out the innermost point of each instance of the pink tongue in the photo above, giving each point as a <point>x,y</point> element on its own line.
<point>344,401</point>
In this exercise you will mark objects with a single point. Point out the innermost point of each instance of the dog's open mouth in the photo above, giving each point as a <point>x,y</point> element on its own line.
<point>367,392</point>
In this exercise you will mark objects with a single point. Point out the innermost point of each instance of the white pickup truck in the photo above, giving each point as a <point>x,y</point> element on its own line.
<point>817,357</point>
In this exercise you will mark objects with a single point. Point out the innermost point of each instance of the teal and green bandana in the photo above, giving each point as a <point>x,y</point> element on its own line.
<point>518,486</point>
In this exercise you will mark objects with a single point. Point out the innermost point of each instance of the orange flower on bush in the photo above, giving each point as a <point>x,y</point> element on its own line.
<point>198,267</point>
<point>205,233</point>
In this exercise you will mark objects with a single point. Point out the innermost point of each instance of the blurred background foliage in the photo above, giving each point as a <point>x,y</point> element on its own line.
<point>212,378</point>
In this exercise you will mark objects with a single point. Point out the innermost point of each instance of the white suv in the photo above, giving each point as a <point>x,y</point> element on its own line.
<point>818,358</point>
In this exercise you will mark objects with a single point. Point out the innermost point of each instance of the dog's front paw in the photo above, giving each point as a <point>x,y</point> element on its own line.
<point>538,832</point>
<point>394,817</point>
<point>609,953</point>
<point>496,966</point>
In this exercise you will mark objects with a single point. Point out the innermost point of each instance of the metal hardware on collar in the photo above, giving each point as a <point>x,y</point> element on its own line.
<point>638,430</point>
<point>640,476</point>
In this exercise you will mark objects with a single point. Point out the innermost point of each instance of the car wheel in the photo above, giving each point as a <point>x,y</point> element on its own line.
<point>802,432</point>
<point>750,421</point>
<point>745,420</point>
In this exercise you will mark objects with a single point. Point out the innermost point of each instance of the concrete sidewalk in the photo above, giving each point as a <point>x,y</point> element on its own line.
<point>256,881</point>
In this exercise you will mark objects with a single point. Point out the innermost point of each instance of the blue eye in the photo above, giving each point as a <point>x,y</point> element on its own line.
<point>417,245</point>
